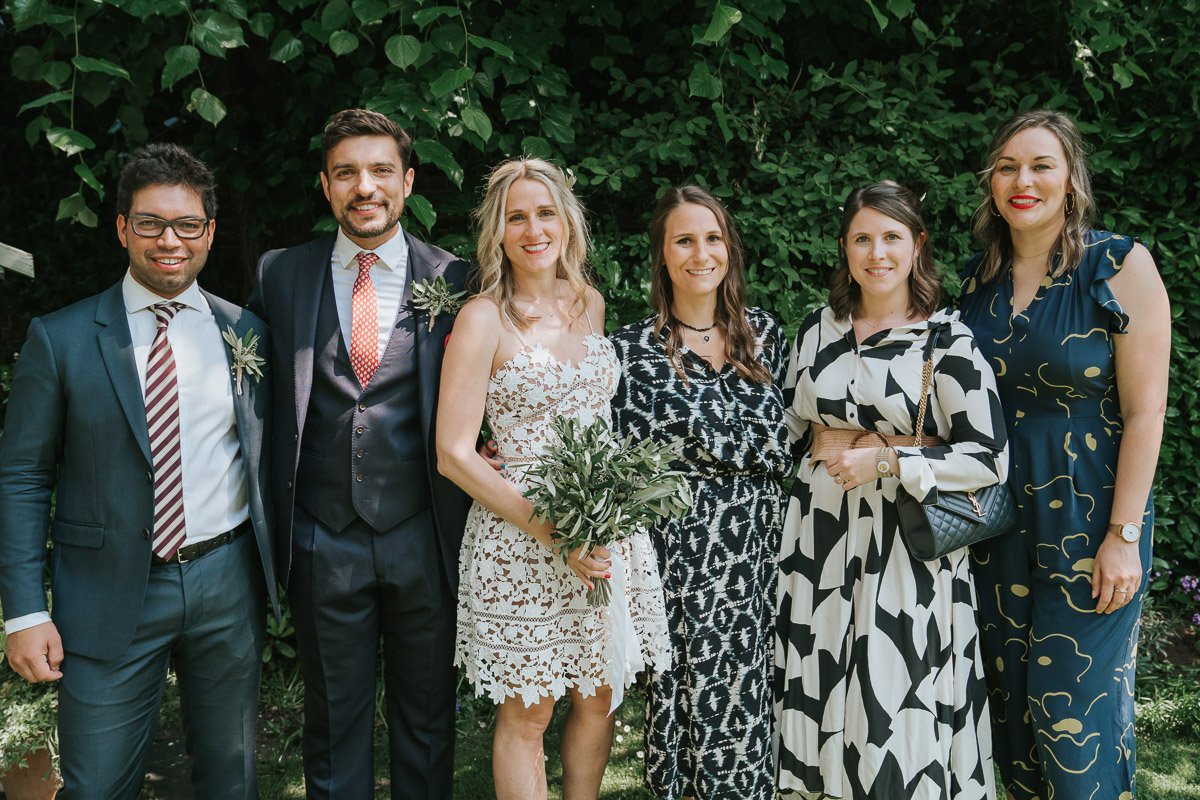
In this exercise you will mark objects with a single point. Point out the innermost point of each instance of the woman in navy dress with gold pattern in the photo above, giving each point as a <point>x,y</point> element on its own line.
<point>1076,324</point>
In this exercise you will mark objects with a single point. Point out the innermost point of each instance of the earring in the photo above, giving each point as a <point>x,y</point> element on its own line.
<point>992,207</point>
<point>1070,203</point>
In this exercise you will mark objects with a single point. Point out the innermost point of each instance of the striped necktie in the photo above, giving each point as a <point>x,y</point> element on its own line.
<point>364,321</point>
<point>162,418</point>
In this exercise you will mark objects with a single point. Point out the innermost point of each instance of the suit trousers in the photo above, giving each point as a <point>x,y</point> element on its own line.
<point>205,618</point>
<point>348,591</point>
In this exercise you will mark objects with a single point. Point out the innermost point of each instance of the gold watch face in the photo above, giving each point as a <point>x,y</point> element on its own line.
<point>884,468</point>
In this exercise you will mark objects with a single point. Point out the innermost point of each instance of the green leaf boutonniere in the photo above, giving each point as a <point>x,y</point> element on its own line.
<point>432,295</point>
<point>246,359</point>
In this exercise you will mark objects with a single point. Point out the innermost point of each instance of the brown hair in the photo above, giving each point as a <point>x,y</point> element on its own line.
<point>351,122</point>
<point>990,228</point>
<point>731,295</point>
<point>494,269</point>
<point>897,202</point>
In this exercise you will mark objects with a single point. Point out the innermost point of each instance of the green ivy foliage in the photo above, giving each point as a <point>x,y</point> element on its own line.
<point>779,106</point>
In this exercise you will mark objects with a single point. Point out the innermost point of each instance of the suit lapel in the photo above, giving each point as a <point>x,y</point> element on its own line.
<point>310,280</point>
<point>243,404</point>
<point>116,348</point>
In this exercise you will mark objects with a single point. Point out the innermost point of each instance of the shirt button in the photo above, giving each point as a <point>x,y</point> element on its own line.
<point>289,485</point>
<point>145,533</point>
<point>359,430</point>
<point>359,454</point>
<point>149,477</point>
<point>362,406</point>
<point>296,437</point>
<point>360,477</point>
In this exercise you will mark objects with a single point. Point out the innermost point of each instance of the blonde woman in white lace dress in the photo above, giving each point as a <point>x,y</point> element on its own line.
<point>528,347</point>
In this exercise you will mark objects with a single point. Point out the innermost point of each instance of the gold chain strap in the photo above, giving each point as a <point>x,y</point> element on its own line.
<point>926,379</point>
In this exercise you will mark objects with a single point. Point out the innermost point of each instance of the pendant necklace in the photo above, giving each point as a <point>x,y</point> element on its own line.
<point>707,337</point>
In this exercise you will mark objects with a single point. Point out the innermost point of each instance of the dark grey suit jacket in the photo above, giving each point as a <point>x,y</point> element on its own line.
<point>76,424</point>
<point>287,295</point>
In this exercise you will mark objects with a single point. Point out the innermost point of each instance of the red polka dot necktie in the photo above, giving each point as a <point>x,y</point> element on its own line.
<point>162,419</point>
<point>364,321</point>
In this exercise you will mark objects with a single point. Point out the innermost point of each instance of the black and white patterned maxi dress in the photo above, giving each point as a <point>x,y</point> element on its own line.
<point>879,689</point>
<point>708,720</point>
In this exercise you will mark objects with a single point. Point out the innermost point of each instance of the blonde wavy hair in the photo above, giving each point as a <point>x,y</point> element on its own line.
<point>990,228</point>
<point>494,270</point>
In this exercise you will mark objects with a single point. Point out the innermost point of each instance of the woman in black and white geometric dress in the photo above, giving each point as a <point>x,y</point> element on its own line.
<point>879,685</point>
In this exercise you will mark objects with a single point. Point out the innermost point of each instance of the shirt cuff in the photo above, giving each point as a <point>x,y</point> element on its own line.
<point>15,624</point>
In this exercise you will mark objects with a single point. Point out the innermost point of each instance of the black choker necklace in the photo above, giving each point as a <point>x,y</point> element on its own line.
<point>697,330</point>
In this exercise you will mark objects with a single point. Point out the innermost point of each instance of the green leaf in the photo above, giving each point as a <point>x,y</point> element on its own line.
<point>69,141</point>
<point>450,80</point>
<point>25,62</point>
<point>477,122</point>
<point>901,8</point>
<point>559,125</point>
<point>180,62</point>
<point>235,9</point>
<point>536,147</point>
<point>722,121</point>
<point>35,129</point>
<point>702,83</point>
<point>343,42</point>
<point>87,176</point>
<point>422,210</point>
<point>402,50</point>
<point>335,16</point>
<point>215,32</point>
<point>1109,41</point>
<point>262,24</point>
<point>516,106</point>
<point>431,151</point>
<point>422,17</point>
<point>1122,76</point>
<point>44,100</point>
<point>56,73</point>
<point>74,207</point>
<point>880,19</point>
<point>369,11</point>
<point>724,17</point>
<point>286,47</point>
<point>208,106</point>
<point>499,49</point>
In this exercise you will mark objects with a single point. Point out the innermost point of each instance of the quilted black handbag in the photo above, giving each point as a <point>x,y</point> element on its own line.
<point>953,519</point>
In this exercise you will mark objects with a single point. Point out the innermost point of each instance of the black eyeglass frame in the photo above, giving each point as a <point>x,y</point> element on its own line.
<point>163,224</point>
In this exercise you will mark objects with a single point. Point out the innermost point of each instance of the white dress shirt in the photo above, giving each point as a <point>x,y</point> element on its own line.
<point>387,274</point>
<point>215,498</point>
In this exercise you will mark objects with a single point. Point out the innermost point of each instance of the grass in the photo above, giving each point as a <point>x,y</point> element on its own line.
<point>1168,733</point>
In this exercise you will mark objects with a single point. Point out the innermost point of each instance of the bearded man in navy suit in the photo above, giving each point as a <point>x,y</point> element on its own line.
<point>130,405</point>
<point>369,531</point>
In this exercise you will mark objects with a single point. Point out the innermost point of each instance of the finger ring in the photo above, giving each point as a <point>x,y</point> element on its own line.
<point>838,480</point>
<point>1122,591</point>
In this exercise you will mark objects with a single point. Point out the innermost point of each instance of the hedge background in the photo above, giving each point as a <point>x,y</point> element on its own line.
<point>780,106</point>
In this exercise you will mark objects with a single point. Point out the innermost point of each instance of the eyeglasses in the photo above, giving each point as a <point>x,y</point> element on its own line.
<point>151,227</point>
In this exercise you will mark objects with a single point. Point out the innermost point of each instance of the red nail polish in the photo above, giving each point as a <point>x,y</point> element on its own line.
<point>607,576</point>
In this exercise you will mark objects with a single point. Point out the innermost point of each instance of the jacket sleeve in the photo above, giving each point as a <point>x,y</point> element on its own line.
<point>29,453</point>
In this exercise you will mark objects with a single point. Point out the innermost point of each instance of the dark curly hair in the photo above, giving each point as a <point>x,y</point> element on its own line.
<point>166,165</point>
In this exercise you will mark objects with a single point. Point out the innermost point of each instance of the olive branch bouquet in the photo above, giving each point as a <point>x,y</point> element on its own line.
<point>596,489</point>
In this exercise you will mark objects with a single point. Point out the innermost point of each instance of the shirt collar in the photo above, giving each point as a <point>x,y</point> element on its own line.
<point>392,254</point>
<point>138,297</point>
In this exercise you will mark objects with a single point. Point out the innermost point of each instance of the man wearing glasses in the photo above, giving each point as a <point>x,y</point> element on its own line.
<point>148,423</point>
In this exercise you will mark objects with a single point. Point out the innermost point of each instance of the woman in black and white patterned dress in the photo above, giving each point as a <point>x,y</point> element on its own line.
<point>879,685</point>
<point>707,372</point>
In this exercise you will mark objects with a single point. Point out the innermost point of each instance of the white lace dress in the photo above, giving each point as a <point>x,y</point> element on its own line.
<point>524,625</point>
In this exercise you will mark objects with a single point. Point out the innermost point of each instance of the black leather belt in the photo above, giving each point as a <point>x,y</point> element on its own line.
<point>193,551</point>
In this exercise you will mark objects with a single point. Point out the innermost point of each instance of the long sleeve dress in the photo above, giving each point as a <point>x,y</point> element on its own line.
<point>708,721</point>
<point>879,684</point>
<point>1061,676</point>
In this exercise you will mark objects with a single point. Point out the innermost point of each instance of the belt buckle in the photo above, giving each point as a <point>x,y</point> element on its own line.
<point>179,557</point>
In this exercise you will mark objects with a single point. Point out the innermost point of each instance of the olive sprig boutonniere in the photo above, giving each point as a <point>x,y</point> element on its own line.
<point>433,296</point>
<point>246,359</point>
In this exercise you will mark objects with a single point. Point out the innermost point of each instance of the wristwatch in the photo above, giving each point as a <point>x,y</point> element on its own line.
<point>1129,531</point>
<point>883,464</point>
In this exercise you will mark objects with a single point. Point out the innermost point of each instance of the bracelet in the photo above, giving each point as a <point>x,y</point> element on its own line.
<point>883,462</point>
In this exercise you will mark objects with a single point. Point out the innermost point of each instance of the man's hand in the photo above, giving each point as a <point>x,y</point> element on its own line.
<point>36,653</point>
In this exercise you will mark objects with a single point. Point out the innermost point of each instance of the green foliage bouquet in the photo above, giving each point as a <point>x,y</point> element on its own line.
<point>596,489</point>
<point>28,715</point>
